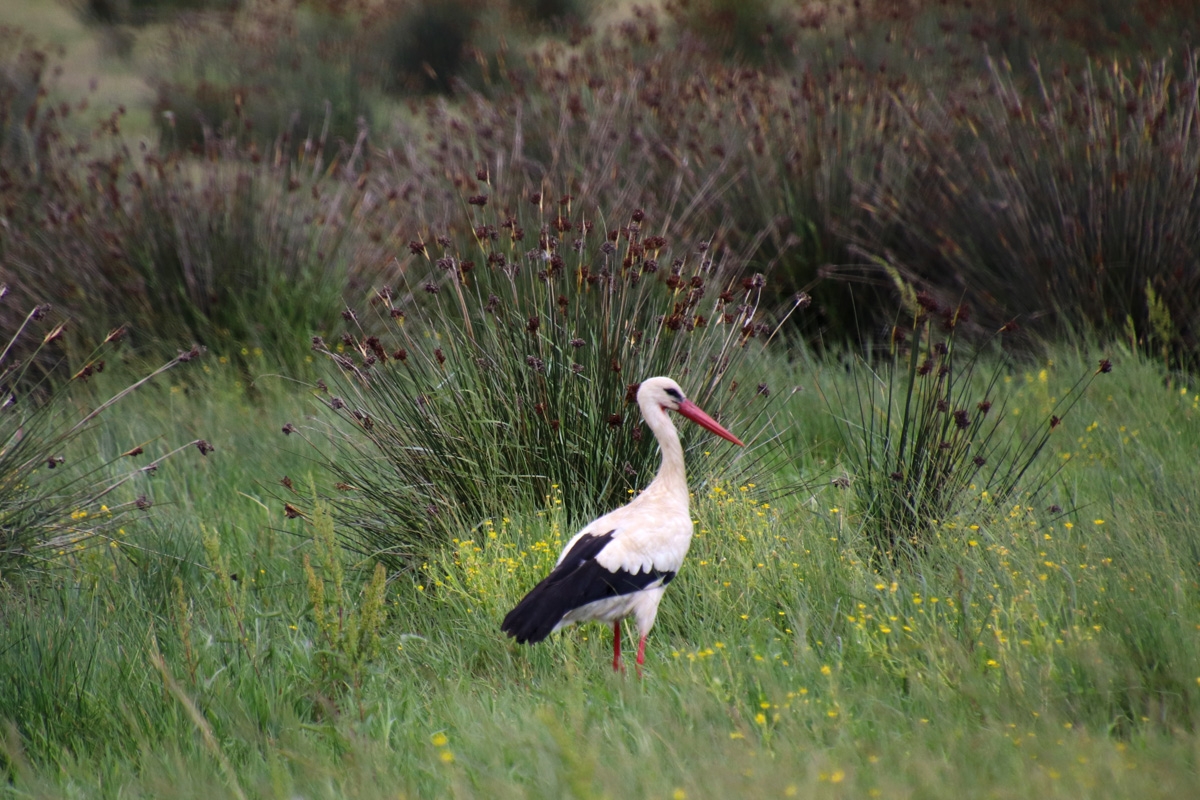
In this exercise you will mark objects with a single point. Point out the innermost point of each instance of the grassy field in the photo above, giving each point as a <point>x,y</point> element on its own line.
<point>934,262</point>
<point>1039,653</point>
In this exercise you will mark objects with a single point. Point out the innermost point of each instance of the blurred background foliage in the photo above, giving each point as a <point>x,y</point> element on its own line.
<point>1034,161</point>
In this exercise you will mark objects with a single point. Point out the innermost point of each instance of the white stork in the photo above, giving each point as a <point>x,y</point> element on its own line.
<point>620,564</point>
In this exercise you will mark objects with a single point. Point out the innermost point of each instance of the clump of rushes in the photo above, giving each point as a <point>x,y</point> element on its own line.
<point>929,440</point>
<point>242,252</point>
<point>509,365</point>
<point>1104,159</point>
<point>54,500</point>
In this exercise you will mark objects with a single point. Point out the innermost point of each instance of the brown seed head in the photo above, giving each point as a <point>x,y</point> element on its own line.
<point>928,302</point>
<point>188,355</point>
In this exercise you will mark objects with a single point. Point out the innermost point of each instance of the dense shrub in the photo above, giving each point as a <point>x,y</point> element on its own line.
<point>1078,209</point>
<point>750,31</point>
<point>239,254</point>
<point>514,352</point>
<point>282,79</point>
<point>206,263</point>
<point>552,12</point>
<point>56,499</point>
<point>886,140</point>
<point>935,440</point>
<point>424,47</point>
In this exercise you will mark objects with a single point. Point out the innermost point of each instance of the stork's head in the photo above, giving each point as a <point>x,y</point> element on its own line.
<point>666,394</point>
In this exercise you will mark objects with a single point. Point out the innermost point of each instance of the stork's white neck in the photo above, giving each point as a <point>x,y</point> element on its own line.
<point>671,479</point>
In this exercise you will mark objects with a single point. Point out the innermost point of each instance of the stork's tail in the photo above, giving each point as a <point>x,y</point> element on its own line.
<point>536,616</point>
<point>576,581</point>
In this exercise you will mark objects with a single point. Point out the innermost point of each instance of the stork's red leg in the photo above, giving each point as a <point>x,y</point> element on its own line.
<point>641,656</point>
<point>617,647</point>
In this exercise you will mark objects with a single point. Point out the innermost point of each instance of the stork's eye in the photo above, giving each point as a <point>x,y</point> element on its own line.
<point>676,394</point>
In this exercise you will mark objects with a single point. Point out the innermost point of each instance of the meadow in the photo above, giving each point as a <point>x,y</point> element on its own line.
<point>295,411</point>
<point>1048,653</point>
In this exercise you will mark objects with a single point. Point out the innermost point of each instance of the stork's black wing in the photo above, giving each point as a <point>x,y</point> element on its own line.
<point>578,580</point>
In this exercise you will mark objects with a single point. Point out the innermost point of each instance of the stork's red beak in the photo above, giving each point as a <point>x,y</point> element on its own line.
<point>692,411</point>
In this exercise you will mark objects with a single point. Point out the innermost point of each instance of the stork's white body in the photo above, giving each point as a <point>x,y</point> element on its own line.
<point>619,564</point>
<point>650,534</point>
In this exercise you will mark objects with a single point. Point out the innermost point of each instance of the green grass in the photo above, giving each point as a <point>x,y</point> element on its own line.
<point>218,644</point>
<point>1042,654</point>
